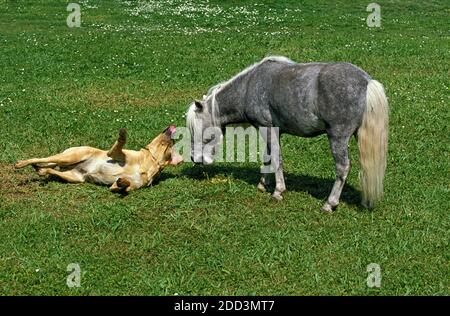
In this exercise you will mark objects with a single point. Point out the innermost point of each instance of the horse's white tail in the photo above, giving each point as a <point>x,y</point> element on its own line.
<point>372,143</point>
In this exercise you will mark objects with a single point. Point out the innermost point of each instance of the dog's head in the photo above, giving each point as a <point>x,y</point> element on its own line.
<point>161,148</point>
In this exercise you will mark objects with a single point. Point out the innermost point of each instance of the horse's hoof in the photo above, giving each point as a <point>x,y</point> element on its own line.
<point>261,187</point>
<point>366,205</point>
<point>277,196</point>
<point>327,208</point>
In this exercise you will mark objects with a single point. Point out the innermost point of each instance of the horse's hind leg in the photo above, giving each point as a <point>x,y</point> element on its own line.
<point>339,149</point>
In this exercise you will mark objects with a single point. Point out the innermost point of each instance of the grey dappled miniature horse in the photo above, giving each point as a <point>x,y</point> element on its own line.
<point>306,100</point>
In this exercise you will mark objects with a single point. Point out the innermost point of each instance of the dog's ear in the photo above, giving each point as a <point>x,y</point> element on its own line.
<point>198,105</point>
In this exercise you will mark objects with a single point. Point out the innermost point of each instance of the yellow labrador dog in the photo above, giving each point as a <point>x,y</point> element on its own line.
<point>124,170</point>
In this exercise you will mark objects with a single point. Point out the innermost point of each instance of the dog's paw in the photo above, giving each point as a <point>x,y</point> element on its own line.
<point>123,134</point>
<point>123,183</point>
<point>20,164</point>
<point>42,171</point>
<point>261,187</point>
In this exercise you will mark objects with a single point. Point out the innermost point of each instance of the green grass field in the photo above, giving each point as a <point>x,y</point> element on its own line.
<point>206,230</point>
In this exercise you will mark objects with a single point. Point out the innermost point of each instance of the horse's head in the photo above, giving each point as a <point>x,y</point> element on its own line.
<point>204,124</point>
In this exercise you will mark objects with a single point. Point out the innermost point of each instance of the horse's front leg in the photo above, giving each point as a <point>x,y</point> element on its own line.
<point>272,162</point>
<point>277,163</point>
<point>265,171</point>
<point>280,186</point>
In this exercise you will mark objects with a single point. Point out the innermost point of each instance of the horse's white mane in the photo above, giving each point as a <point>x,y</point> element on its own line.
<point>221,85</point>
<point>212,92</point>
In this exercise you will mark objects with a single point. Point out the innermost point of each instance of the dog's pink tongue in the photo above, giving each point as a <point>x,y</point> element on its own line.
<point>172,129</point>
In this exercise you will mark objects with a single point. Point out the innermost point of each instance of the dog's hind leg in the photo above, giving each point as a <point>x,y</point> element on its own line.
<point>116,152</point>
<point>52,160</point>
<point>72,176</point>
<point>69,157</point>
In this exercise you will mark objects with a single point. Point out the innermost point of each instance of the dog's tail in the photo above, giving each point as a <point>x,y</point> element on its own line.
<point>372,143</point>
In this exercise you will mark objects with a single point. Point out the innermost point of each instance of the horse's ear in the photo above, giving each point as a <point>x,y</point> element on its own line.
<point>198,105</point>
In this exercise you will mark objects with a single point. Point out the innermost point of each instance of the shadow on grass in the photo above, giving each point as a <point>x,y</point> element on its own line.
<point>41,181</point>
<point>319,188</point>
<point>44,181</point>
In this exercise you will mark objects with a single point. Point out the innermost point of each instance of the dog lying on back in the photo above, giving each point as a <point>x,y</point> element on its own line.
<point>124,170</point>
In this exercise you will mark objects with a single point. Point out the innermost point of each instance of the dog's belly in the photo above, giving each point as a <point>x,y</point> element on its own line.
<point>101,170</point>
